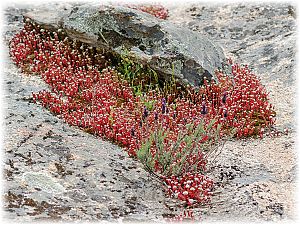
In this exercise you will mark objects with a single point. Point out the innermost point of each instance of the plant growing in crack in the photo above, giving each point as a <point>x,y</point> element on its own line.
<point>173,130</point>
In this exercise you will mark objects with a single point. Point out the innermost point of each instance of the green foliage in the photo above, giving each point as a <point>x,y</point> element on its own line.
<point>196,141</point>
<point>144,153</point>
<point>143,79</point>
<point>150,104</point>
<point>140,77</point>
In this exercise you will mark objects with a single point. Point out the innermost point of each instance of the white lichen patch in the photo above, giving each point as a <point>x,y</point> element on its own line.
<point>42,181</point>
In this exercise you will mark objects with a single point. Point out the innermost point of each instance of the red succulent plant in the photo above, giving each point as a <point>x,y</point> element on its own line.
<point>157,128</point>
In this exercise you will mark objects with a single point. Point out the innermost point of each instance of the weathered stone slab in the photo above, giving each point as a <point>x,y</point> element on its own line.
<point>165,47</point>
<point>50,18</point>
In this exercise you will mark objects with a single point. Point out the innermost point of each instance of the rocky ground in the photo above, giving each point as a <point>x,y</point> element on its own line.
<point>55,172</point>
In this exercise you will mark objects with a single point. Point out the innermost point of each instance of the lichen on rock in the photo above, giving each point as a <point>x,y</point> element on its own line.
<point>168,49</point>
<point>42,181</point>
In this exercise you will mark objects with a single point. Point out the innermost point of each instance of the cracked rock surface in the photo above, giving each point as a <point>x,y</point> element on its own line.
<point>54,172</point>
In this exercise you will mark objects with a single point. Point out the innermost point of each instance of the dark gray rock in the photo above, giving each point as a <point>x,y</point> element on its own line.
<point>165,47</point>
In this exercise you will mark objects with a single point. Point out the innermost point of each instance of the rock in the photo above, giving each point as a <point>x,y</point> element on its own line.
<point>232,201</point>
<point>42,181</point>
<point>166,48</point>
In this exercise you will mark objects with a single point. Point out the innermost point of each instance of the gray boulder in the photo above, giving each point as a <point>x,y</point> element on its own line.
<point>165,47</point>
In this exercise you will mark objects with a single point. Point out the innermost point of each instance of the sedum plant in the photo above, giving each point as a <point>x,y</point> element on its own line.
<point>173,130</point>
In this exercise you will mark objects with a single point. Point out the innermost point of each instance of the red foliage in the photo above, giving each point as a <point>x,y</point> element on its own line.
<point>87,94</point>
<point>191,188</point>
<point>186,216</point>
<point>155,10</point>
<point>239,102</point>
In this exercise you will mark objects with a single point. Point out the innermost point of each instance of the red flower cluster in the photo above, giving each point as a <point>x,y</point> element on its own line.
<point>155,10</point>
<point>86,92</point>
<point>186,216</point>
<point>191,188</point>
<point>240,102</point>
